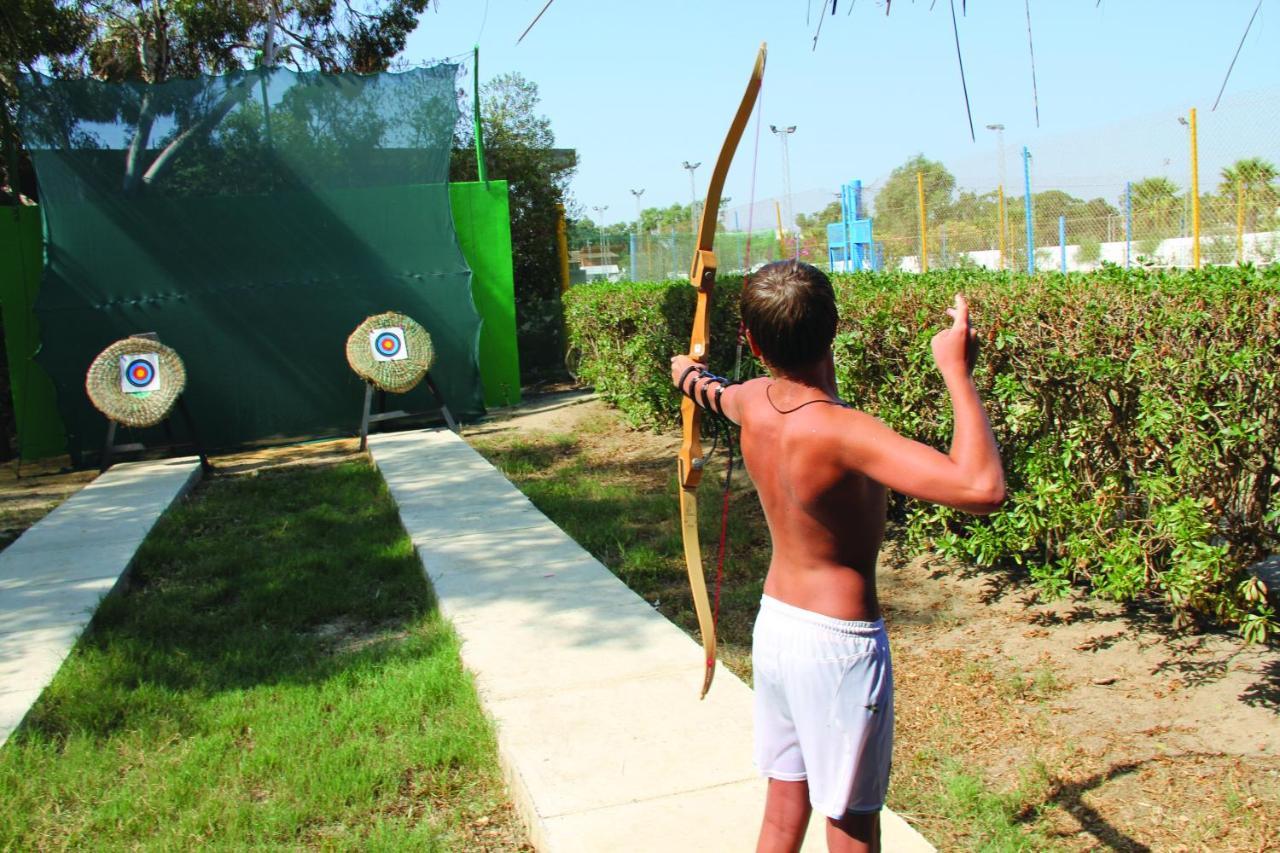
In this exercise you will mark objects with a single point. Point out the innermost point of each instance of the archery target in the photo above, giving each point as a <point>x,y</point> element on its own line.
<point>140,372</point>
<point>388,344</point>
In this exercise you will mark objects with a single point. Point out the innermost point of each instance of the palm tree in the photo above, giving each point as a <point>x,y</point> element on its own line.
<point>1255,178</point>
<point>1156,208</point>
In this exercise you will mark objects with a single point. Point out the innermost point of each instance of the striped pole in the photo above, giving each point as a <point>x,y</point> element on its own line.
<point>1031,244</point>
<point>1062,241</point>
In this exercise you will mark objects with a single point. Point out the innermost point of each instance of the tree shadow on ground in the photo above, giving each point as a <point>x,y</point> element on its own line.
<point>306,581</point>
<point>1070,797</point>
<point>1265,692</point>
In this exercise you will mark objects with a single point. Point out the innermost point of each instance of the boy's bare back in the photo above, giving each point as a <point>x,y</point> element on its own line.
<point>826,521</point>
<point>822,470</point>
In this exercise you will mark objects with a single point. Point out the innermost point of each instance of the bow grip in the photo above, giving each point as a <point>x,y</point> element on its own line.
<point>703,274</point>
<point>703,277</point>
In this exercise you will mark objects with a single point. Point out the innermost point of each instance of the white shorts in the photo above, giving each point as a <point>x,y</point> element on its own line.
<point>823,706</point>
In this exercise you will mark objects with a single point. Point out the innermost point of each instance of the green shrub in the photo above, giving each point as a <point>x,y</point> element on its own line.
<point>1138,414</point>
<point>622,337</point>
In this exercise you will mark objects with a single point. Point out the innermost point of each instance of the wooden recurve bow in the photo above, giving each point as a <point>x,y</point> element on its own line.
<point>690,461</point>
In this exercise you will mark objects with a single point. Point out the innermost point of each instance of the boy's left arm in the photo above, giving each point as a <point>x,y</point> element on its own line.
<point>713,393</point>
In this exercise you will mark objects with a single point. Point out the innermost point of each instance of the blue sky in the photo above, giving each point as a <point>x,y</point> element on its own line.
<point>639,87</point>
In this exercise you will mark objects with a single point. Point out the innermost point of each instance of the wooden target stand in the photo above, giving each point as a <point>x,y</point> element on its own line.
<point>369,418</point>
<point>110,450</point>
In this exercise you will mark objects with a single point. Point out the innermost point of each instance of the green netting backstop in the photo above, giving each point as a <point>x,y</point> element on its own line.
<point>251,220</point>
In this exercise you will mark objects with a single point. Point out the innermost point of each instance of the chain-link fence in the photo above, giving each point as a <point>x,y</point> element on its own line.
<point>1161,190</point>
<point>1151,191</point>
<point>664,253</point>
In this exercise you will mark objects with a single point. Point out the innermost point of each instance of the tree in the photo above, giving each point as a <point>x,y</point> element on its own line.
<point>897,207</point>
<point>162,40</point>
<point>32,32</point>
<point>1157,209</point>
<point>813,229</point>
<point>520,148</point>
<point>973,222</point>
<point>1254,178</point>
<point>665,218</point>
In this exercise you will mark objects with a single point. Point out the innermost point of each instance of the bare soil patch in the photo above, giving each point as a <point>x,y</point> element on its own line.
<point>31,490</point>
<point>1093,726</point>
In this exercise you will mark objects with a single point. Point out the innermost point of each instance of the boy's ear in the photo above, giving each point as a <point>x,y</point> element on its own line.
<point>755,348</point>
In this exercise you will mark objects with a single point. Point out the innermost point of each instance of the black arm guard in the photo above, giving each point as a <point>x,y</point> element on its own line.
<point>700,390</point>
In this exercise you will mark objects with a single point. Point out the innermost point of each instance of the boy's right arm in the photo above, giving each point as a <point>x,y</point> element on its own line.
<point>969,477</point>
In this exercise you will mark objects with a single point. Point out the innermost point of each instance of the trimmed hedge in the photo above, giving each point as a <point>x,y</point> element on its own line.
<point>1138,414</point>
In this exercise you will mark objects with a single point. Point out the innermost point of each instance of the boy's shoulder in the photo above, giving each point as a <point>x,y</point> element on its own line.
<point>840,417</point>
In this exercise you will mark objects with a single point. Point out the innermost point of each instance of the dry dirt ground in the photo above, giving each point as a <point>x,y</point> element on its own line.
<point>31,490</point>
<point>1097,726</point>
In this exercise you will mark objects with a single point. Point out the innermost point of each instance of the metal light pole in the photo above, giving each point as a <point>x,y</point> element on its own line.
<point>1186,196</point>
<point>635,233</point>
<point>600,228</point>
<point>783,133</point>
<point>999,129</point>
<point>1004,235</point>
<point>637,194</point>
<point>693,198</point>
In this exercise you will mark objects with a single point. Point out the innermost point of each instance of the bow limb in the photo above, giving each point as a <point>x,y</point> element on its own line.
<point>702,275</point>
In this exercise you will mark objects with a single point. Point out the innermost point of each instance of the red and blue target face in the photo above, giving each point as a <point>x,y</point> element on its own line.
<point>139,372</point>
<point>388,344</point>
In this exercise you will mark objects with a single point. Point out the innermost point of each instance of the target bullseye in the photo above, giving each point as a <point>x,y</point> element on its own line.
<point>139,372</point>
<point>388,344</point>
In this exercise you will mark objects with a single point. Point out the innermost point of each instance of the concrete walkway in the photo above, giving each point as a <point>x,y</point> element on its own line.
<point>54,574</point>
<point>603,740</point>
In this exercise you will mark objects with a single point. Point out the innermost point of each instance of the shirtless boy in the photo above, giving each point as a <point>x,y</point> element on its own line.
<point>823,678</point>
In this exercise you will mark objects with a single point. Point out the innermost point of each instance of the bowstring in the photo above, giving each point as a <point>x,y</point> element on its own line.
<point>721,424</point>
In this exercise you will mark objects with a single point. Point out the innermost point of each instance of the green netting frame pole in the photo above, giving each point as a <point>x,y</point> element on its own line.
<point>12,161</point>
<point>475,91</point>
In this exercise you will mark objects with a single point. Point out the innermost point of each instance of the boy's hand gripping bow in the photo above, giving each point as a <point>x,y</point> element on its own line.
<point>690,460</point>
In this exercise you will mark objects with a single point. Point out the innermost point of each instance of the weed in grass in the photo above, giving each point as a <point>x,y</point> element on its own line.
<point>988,819</point>
<point>1035,686</point>
<point>274,670</point>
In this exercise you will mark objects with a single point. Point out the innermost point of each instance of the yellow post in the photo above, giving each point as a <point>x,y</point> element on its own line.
<point>777,209</point>
<point>562,245</point>
<point>1002,226</point>
<point>1195,196</point>
<point>924,232</point>
<point>1239,221</point>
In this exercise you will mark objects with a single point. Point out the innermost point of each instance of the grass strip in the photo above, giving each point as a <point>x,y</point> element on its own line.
<point>276,674</point>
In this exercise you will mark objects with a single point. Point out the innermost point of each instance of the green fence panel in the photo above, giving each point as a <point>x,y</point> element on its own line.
<point>482,218</point>
<point>252,221</point>
<point>40,432</point>
<point>481,215</point>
